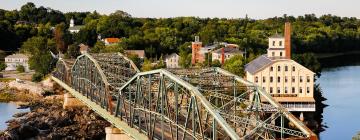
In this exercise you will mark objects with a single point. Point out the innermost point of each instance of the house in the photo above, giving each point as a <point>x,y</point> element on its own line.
<point>199,52</point>
<point>139,53</point>
<point>14,60</point>
<point>111,41</point>
<point>83,48</point>
<point>172,60</point>
<point>226,53</point>
<point>74,28</point>
<point>288,82</point>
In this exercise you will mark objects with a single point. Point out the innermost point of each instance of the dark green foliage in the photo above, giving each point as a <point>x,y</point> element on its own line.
<point>235,65</point>
<point>20,68</point>
<point>2,66</point>
<point>309,61</point>
<point>41,60</point>
<point>216,63</point>
<point>72,51</point>
<point>37,77</point>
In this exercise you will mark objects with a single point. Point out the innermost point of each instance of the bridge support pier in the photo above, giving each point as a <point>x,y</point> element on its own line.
<point>113,133</point>
<point>71,101</point>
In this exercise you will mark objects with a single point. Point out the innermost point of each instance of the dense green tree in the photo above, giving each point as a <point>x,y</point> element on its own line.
<point>235,65</point>
<point>72,51</point>
<point>147,66</point>
<point>41,60</point>
<point>2,66</point>
<point>20,68</point>
<point>161,63</point>
<point>308,60</point>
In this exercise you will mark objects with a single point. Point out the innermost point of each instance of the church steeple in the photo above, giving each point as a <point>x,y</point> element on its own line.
<point>72,22</point>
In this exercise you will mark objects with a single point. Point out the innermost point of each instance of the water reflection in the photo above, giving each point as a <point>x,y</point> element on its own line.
<point>7,110</point>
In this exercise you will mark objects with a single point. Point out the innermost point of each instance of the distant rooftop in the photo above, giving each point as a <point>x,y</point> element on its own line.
<point>229,50</point>
<point>257,64</point>
<point>77,27</point>
<point>17,55</point>
<point>276,35</point>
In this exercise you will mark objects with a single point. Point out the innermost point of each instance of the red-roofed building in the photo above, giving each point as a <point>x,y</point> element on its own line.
<point>110,41</point>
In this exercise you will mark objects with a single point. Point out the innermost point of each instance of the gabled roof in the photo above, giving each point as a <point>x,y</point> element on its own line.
<point>170,55</point>
<point>78,27</point>
<point>229,50</point>
<point>263,61</point>
<point>257,64</point>
<point>112,40</point>
<point>276,36</point>
<point>17,55</point>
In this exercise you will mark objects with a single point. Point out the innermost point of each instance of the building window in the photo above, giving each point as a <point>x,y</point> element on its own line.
<point>293,90</point>
<point>273,43</point>
<point>301,79</point>
<point>293,79</point>
<point>271,68</point>
<point>293,68</point>
<point>308,79</point>
<point>286,89</point>
<point>307,89</point>
<point>280,53</point>
<point>271,89</point>
<point>278,89</point>
<point>256,79</point>
<point>279,68</point>
<point>271,79</point>
<point>278,79</point>
<point>286,68</point>
<point>300,89</point>
<point>273,54</point>
<point>264,79</point>
<point>280,43</point>
<point>286,79</point>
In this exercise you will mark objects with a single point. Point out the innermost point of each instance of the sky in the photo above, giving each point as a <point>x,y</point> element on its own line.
<point>256,9</point>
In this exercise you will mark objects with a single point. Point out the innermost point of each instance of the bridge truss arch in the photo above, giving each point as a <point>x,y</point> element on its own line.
<point>203,104</point>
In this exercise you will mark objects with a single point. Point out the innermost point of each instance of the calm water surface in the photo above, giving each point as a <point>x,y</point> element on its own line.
<point>341,87</point>
<point>6,112</point>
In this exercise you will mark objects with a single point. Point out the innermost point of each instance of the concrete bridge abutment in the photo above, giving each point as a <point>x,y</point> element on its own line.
<point>113,133</point>
<point>71,101</point>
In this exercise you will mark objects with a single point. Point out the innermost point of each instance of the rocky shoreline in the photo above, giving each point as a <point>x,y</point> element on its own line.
<point>48,120</point>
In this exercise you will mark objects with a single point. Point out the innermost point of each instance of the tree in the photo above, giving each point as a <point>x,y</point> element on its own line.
<point>147,66</point>
<point>235,65</point>
<point>62,37</point>
<point>73,51</point>
<point>309,61</point>
<point>20,68</point>
<point>2,66</point>
<point>41,60</point>
<point>216,63</point>
<point>161,63</point>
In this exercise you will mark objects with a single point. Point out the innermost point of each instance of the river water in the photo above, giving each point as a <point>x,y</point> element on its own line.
<point>341,86</point>
<point>7,110</point>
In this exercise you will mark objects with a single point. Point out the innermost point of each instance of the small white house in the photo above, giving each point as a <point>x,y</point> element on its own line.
<point>12,61</point>
<point>172,60</point>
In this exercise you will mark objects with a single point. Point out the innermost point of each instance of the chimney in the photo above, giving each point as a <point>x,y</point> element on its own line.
<point>287,35</point>
<point>222,56</point>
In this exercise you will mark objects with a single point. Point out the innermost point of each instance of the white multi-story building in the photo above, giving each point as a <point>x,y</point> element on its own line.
<point>172,60</point>
<point>290,83</point>
<point>14,60</point>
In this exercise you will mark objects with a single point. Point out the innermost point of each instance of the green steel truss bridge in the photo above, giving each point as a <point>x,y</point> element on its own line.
<point>180,104</point>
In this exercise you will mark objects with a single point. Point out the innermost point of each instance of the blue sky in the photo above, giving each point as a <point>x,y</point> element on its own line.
<point>257,9</point>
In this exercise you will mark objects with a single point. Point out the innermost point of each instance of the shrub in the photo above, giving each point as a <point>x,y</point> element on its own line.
<point>37,77</point>
<point>20,68</point>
